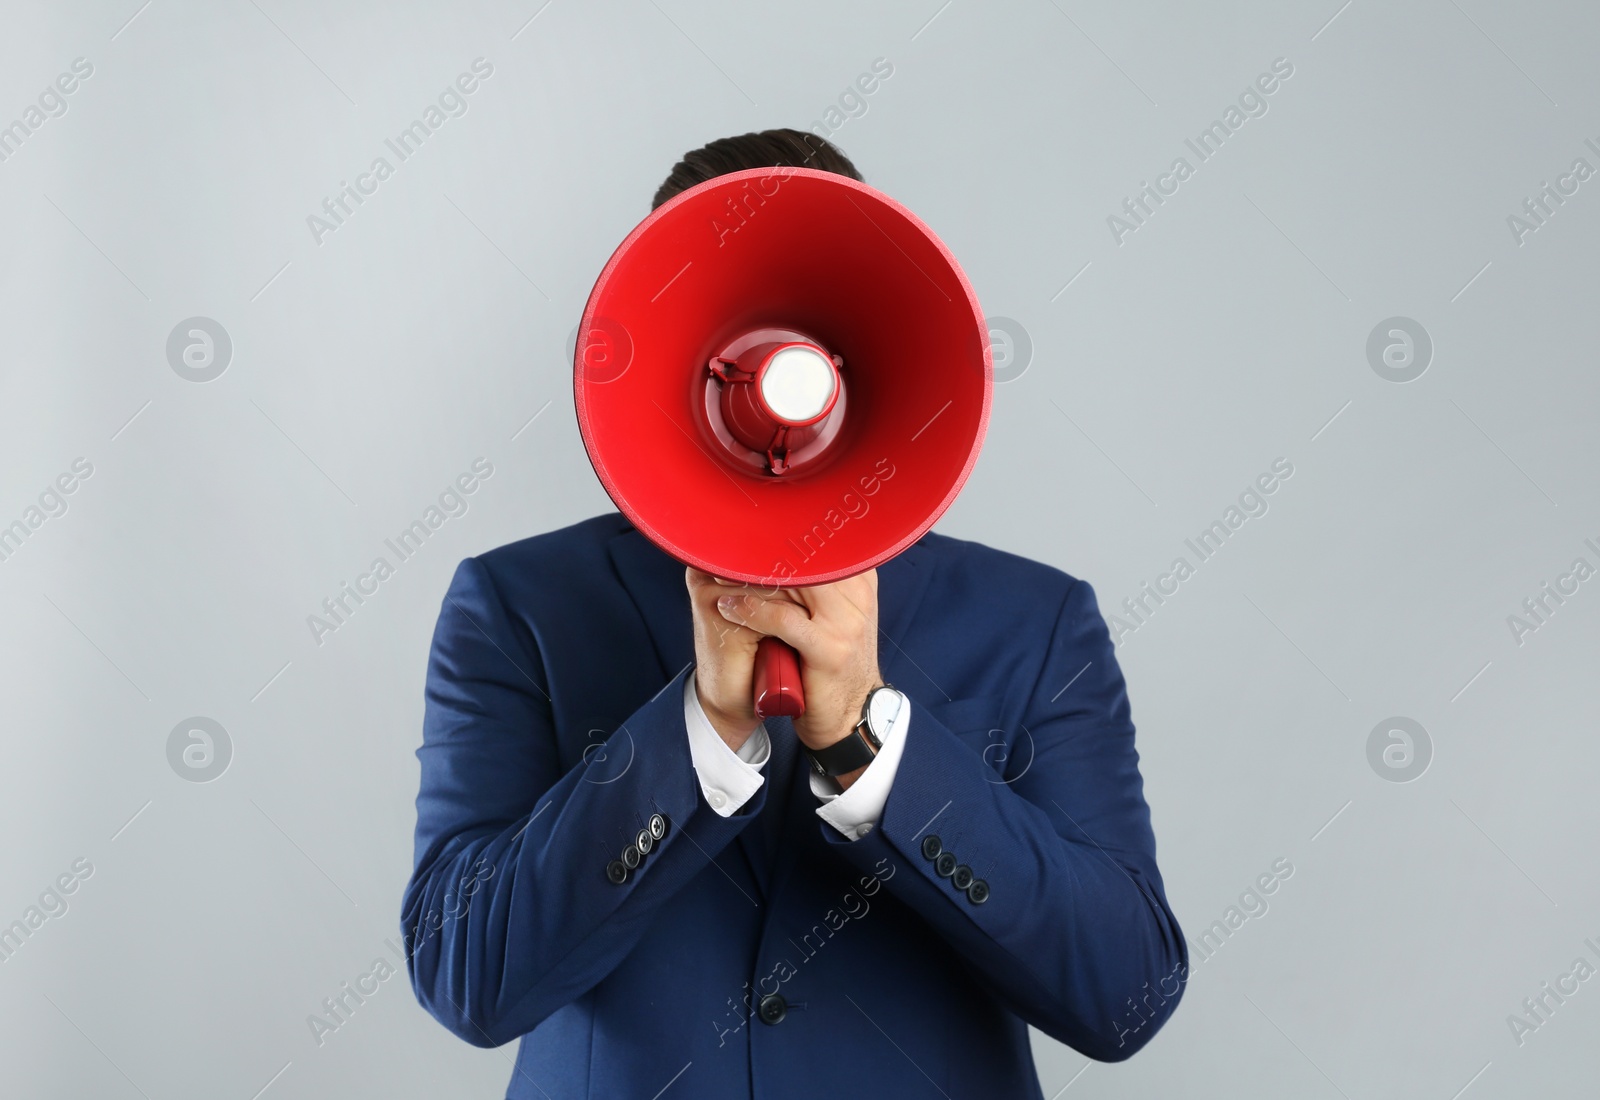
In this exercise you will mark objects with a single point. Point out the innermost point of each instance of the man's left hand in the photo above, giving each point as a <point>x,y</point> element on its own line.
<point>835,629</point>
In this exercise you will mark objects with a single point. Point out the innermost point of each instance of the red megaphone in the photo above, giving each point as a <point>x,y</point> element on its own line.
<point>782,377</point>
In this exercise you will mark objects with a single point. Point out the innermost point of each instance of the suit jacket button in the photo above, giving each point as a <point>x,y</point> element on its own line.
<point>961,877</point>
<point>658,825</point>
<point>931,847</point>
<point>772,1009</point>
<point>617,872</point>
<point>978,892</point>
<point>945,864</point>
<point>631,857</point>
<point>644,842</point>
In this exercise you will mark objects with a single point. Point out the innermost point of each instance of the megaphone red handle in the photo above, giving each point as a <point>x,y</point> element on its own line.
<point>778,693</point>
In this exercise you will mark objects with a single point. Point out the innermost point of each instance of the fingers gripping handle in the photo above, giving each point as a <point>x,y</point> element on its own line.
<point>778,693</point>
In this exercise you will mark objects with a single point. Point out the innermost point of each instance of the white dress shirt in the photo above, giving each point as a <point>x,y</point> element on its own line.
<point>728,779</point>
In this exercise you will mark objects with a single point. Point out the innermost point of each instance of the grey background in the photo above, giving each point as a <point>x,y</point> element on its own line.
<point>1228,331</point>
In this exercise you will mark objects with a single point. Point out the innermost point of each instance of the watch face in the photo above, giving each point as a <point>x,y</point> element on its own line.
<point>881,710</point>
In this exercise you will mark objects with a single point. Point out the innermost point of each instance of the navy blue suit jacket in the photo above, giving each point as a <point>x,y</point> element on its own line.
<point>554,731</point>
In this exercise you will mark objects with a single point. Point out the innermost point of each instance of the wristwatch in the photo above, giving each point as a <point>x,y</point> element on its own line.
<point>857,748</point>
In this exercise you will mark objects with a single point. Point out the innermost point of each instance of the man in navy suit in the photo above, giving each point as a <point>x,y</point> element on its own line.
<point>619,865</point>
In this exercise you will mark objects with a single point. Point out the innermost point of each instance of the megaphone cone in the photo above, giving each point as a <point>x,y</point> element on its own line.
<point>782,377</point>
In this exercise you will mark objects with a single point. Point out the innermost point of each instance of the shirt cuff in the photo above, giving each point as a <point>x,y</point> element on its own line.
<point>857,810</point>
<point>728,779</point>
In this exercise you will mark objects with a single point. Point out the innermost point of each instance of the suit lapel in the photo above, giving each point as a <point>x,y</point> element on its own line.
<point>902,581</point>
<point>655,582</point>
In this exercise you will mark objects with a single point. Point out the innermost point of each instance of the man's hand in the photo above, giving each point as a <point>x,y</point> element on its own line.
<point>724,654</point>
<point>835,629</point>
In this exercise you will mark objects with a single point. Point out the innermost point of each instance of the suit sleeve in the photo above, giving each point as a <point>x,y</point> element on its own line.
<point>1069,924</point>
<point>512,910</point>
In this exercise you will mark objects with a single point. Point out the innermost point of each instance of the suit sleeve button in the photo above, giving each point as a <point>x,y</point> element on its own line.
<point>961,877</point>
<point>978,892</point>
<point>617,872</point>
<point>658,825</point>
<point>631,857</point>
<point>945,864</point>
<point>644,842</point>
<point>931,847</point>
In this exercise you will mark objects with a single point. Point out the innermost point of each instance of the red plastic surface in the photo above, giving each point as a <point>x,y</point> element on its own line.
<point>778,693</point>
<point>792,249</point>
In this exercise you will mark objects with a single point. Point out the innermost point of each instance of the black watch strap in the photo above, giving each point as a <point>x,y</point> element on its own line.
<point>855,750</point>
<point>845,755</point>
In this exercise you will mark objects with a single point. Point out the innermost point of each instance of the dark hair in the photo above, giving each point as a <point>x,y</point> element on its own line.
<point>767,149</point>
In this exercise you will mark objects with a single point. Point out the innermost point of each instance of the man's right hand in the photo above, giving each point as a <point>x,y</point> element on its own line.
<point>725,657</point>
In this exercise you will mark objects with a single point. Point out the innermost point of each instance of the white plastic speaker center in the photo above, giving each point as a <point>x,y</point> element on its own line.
<point>798,384</point>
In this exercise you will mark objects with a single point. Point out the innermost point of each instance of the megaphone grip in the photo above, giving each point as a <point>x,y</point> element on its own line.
<point>778,693</point>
